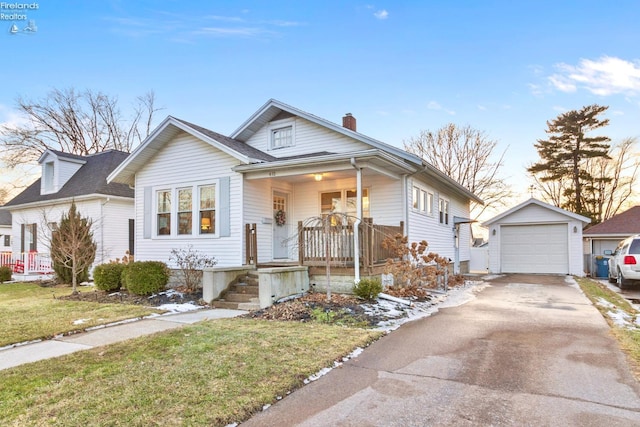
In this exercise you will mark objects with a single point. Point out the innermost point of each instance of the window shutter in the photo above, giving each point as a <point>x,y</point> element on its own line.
<point>224,206</point>
<point>132,233</point>
<point>34,246</point>
<point>147,220</point>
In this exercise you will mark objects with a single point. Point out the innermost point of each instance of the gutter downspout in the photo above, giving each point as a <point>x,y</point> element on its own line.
<point>356,224</point>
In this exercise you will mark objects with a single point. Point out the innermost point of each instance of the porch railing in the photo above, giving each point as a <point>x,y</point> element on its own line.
<point>316,246</point>
<point>27,262</point>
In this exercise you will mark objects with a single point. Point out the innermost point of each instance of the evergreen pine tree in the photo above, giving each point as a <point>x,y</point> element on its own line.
<point>565,153</point>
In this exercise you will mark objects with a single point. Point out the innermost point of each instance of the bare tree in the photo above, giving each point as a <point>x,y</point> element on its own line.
<point>613,180</point>
<point>75,122</point>
<point>72,245</point>
<point>466,156</point>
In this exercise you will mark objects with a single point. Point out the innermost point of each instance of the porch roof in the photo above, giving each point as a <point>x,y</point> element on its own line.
<point>376,160</point>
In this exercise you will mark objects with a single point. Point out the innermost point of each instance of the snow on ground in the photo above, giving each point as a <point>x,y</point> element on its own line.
<point>396,314</point>
<point>618,316</point>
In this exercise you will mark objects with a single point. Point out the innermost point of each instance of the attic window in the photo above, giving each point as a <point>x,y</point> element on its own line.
<point>282,137</point>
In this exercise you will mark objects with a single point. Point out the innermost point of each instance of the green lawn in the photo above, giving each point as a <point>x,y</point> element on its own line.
<point>210,374</point>
<point>29,312</point>
<point>629,338</point>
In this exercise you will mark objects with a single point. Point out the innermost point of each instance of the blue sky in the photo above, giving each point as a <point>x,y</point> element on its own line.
<point>503,67</point>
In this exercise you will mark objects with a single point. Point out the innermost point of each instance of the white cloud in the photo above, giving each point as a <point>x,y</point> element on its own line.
<point>381,14</point>
<point>482,108</point>
<point>433,105</point>
<point>605,76</point>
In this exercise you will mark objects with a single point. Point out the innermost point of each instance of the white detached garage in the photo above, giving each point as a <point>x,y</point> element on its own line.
<point>535,237</point>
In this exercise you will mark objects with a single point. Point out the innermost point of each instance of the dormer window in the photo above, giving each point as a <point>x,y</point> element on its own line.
<point>47,176</point>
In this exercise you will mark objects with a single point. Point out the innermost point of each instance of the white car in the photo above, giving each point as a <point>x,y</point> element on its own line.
<point>624,264</point>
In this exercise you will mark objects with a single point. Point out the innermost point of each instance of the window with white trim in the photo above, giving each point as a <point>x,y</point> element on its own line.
<point>422,201</point>
<point>163,212</point>
<point>185,211</point>
<point>282,137</point>
<point>48,176</point>
<point>207,209</point>
<point>344,201</point>
<point>443,211</point>
<point>193,213</point>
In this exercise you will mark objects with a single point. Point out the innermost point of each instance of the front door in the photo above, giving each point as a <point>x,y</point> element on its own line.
<point>281,235</point>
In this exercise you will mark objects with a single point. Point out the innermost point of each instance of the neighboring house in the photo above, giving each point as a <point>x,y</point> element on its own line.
<point>604,237</point>
<point>66,178</point>
<point>5,231</point>
<point>535,237</point>
<point>222,194</point>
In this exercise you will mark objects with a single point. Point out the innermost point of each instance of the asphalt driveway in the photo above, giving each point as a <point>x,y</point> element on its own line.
<point>529,350</point>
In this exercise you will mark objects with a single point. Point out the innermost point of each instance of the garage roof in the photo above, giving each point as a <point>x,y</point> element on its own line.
<point>537,202</point>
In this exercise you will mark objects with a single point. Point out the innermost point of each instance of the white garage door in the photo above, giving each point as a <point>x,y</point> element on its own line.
<point>534,249</point>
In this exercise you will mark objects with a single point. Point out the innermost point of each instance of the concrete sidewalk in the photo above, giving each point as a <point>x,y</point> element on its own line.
<point>47,349</point>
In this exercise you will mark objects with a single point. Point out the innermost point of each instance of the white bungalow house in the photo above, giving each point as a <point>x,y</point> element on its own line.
<point>245,198</point>
<point>66,178</point>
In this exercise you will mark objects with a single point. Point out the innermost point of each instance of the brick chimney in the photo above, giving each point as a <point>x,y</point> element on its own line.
<point>349,122</point>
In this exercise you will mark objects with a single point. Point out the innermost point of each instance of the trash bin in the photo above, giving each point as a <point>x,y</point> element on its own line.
<point>602,266</point>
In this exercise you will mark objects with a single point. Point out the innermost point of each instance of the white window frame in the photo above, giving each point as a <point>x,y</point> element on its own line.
<point>444,208</point>
<point>49,177</point>
<point>422,200</point>
<point>195,212</point>
<point>279,125</point>
<point>343,201</point>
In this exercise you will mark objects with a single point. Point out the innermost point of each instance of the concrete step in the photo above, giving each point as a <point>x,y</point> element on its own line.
<point>251,305</point>
<point>244,288</point>
<point>236,297</point>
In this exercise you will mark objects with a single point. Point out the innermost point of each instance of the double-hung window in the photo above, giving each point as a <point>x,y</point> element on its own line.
<point>444,211</point>
<point>207,209</point>
<point>422,201</point>
<point>164,212</point>
<point>185,213</point>
<point>345,202</point>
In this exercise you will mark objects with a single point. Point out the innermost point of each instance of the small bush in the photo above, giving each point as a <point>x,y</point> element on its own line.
<point>108,277</point>
<point>368,289</point>
<point>5,274</point>
<point>145,277</point>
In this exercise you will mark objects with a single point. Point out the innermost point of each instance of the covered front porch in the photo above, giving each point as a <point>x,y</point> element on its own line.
<point>325,210</point>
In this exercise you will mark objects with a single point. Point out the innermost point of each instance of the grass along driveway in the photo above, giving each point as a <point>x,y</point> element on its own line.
<point>212,373</point>
<point>30,312</point>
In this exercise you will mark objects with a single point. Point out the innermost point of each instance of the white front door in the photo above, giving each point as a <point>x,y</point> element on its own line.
<point>281,233</point>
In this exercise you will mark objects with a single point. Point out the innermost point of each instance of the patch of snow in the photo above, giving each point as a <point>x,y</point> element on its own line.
<point>169,293</point>
<point>620,318</point>
<point>179,308</point>
<point>80,321</point>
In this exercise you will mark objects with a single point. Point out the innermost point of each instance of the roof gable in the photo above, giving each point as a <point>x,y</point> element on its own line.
<point>627,222</point>
<point>90,178</point>
<point>166,131</point>
<point>539,204</point>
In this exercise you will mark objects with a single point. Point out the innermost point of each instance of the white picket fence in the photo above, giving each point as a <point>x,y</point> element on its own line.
<point>27,262</point>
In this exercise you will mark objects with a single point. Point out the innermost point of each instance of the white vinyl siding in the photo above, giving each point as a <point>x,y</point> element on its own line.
<point>110,225</point>
<point>308,138</point>
<point>185,161</point>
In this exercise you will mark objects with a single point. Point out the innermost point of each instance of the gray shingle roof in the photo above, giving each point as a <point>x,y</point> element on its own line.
<point>627,222</point>
<point>235,145</point>
<point>91,178</point>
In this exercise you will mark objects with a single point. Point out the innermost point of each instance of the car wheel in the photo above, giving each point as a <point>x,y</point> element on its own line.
<point>612,279</point>
<point>620,281</point>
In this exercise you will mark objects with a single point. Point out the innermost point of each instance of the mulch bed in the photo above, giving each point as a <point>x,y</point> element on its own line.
<point>123,297</point>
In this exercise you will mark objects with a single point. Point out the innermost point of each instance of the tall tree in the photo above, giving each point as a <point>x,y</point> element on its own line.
<point>77,122</point>
<point>466,155</point>
<point>72,245</point>
<point>564,155</point>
